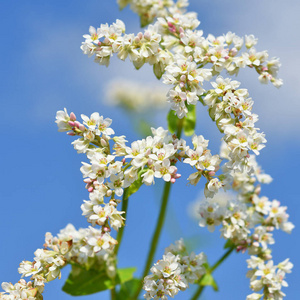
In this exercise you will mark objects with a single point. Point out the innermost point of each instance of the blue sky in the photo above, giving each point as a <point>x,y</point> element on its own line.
<point>43,70</point>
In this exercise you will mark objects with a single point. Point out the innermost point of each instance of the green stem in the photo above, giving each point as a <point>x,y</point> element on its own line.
<point>159,224</point>
<point>121,230</point>
<point>156,235</point>
<point>211,270</point>
<point>120,233</point>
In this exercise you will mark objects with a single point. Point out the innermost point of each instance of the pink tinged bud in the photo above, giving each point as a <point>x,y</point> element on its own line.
<point>106,41</point>
<point>264,68</point>
<point>124,161</point>
<point>181,30</point>
<point>72,116</point>
<point>150,162</point>
<point>233,52</point>
<point>182,35</point>
<point>71,123</point>
<point>182,78</point>
<point>256,244</point>
<point>255,237</point>
<point>211,173</point>
<point>103,142</point>
<point>248,155</point>
<point>106,229</point>
<point>226,57</point>
<point>137,39</point>
<point>181,84</point>
<point>81,127</point>
<point>87,180</point>
<point>177,176</point>
<point>147,35</point>
<point>77,124</point>
<point>140,35</point>
<point>109,193</point>
<point>170,24</point>
<point>90,189</point>
<point>71,133</point>
<point>173,180</point>
<point>99,43</point>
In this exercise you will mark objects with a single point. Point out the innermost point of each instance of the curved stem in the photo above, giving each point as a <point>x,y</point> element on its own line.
<point>211,270</point>
<point>159,224</point>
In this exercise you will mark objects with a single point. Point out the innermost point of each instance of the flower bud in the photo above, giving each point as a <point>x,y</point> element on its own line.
<point>72,116</point>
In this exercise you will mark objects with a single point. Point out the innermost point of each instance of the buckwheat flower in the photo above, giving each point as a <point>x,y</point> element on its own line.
<point>93,37</point>
<point>164,170</point>
<point>62,120</point>
<point>212,187</point>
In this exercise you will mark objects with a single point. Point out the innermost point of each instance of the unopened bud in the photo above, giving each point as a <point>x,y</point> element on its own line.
<point>77,124</point>
<point>211,173</point>
<point>87,180</point>
<point>90,189</point>
<point>72,116</point>
<point>109,193</point>
<point>82,127</point>
<point>124,161</point>
<point>182,78</point>
<point>147,35</point>
<point>140,35</point>
<point>70,133</point>
<point>173,180</point>
<point>182,35</point>
<point>150,162</point>
<point>71,123</point>
<point>181,30</point>
<point>255,244</point>
<point>177,176</point>
<point>103,142</point>
<point>137,39</point>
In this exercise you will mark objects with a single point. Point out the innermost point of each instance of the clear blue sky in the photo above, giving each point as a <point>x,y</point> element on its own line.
<point>41,188</point>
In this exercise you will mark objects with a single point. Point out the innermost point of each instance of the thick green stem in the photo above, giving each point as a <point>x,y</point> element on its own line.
<point>211,270</point>
<point>159,225</point>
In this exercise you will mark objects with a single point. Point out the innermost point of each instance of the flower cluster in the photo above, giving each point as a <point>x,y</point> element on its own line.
<point>268,277</point>
<point>69,247</point>
<point>144,160</point>
<point>174,272</point>
<point>248,222</point>
<point>230,107</point>
<point>175,47</point>
<point>148,10</point>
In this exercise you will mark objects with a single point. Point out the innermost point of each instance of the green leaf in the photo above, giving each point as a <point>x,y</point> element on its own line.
<point>86,282</point>
<point>134,187</point>
<point>172,121</point>
<point>128,289</point>
<point>158,70</point>
<point>189,122</point>
<point>208,279</point>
